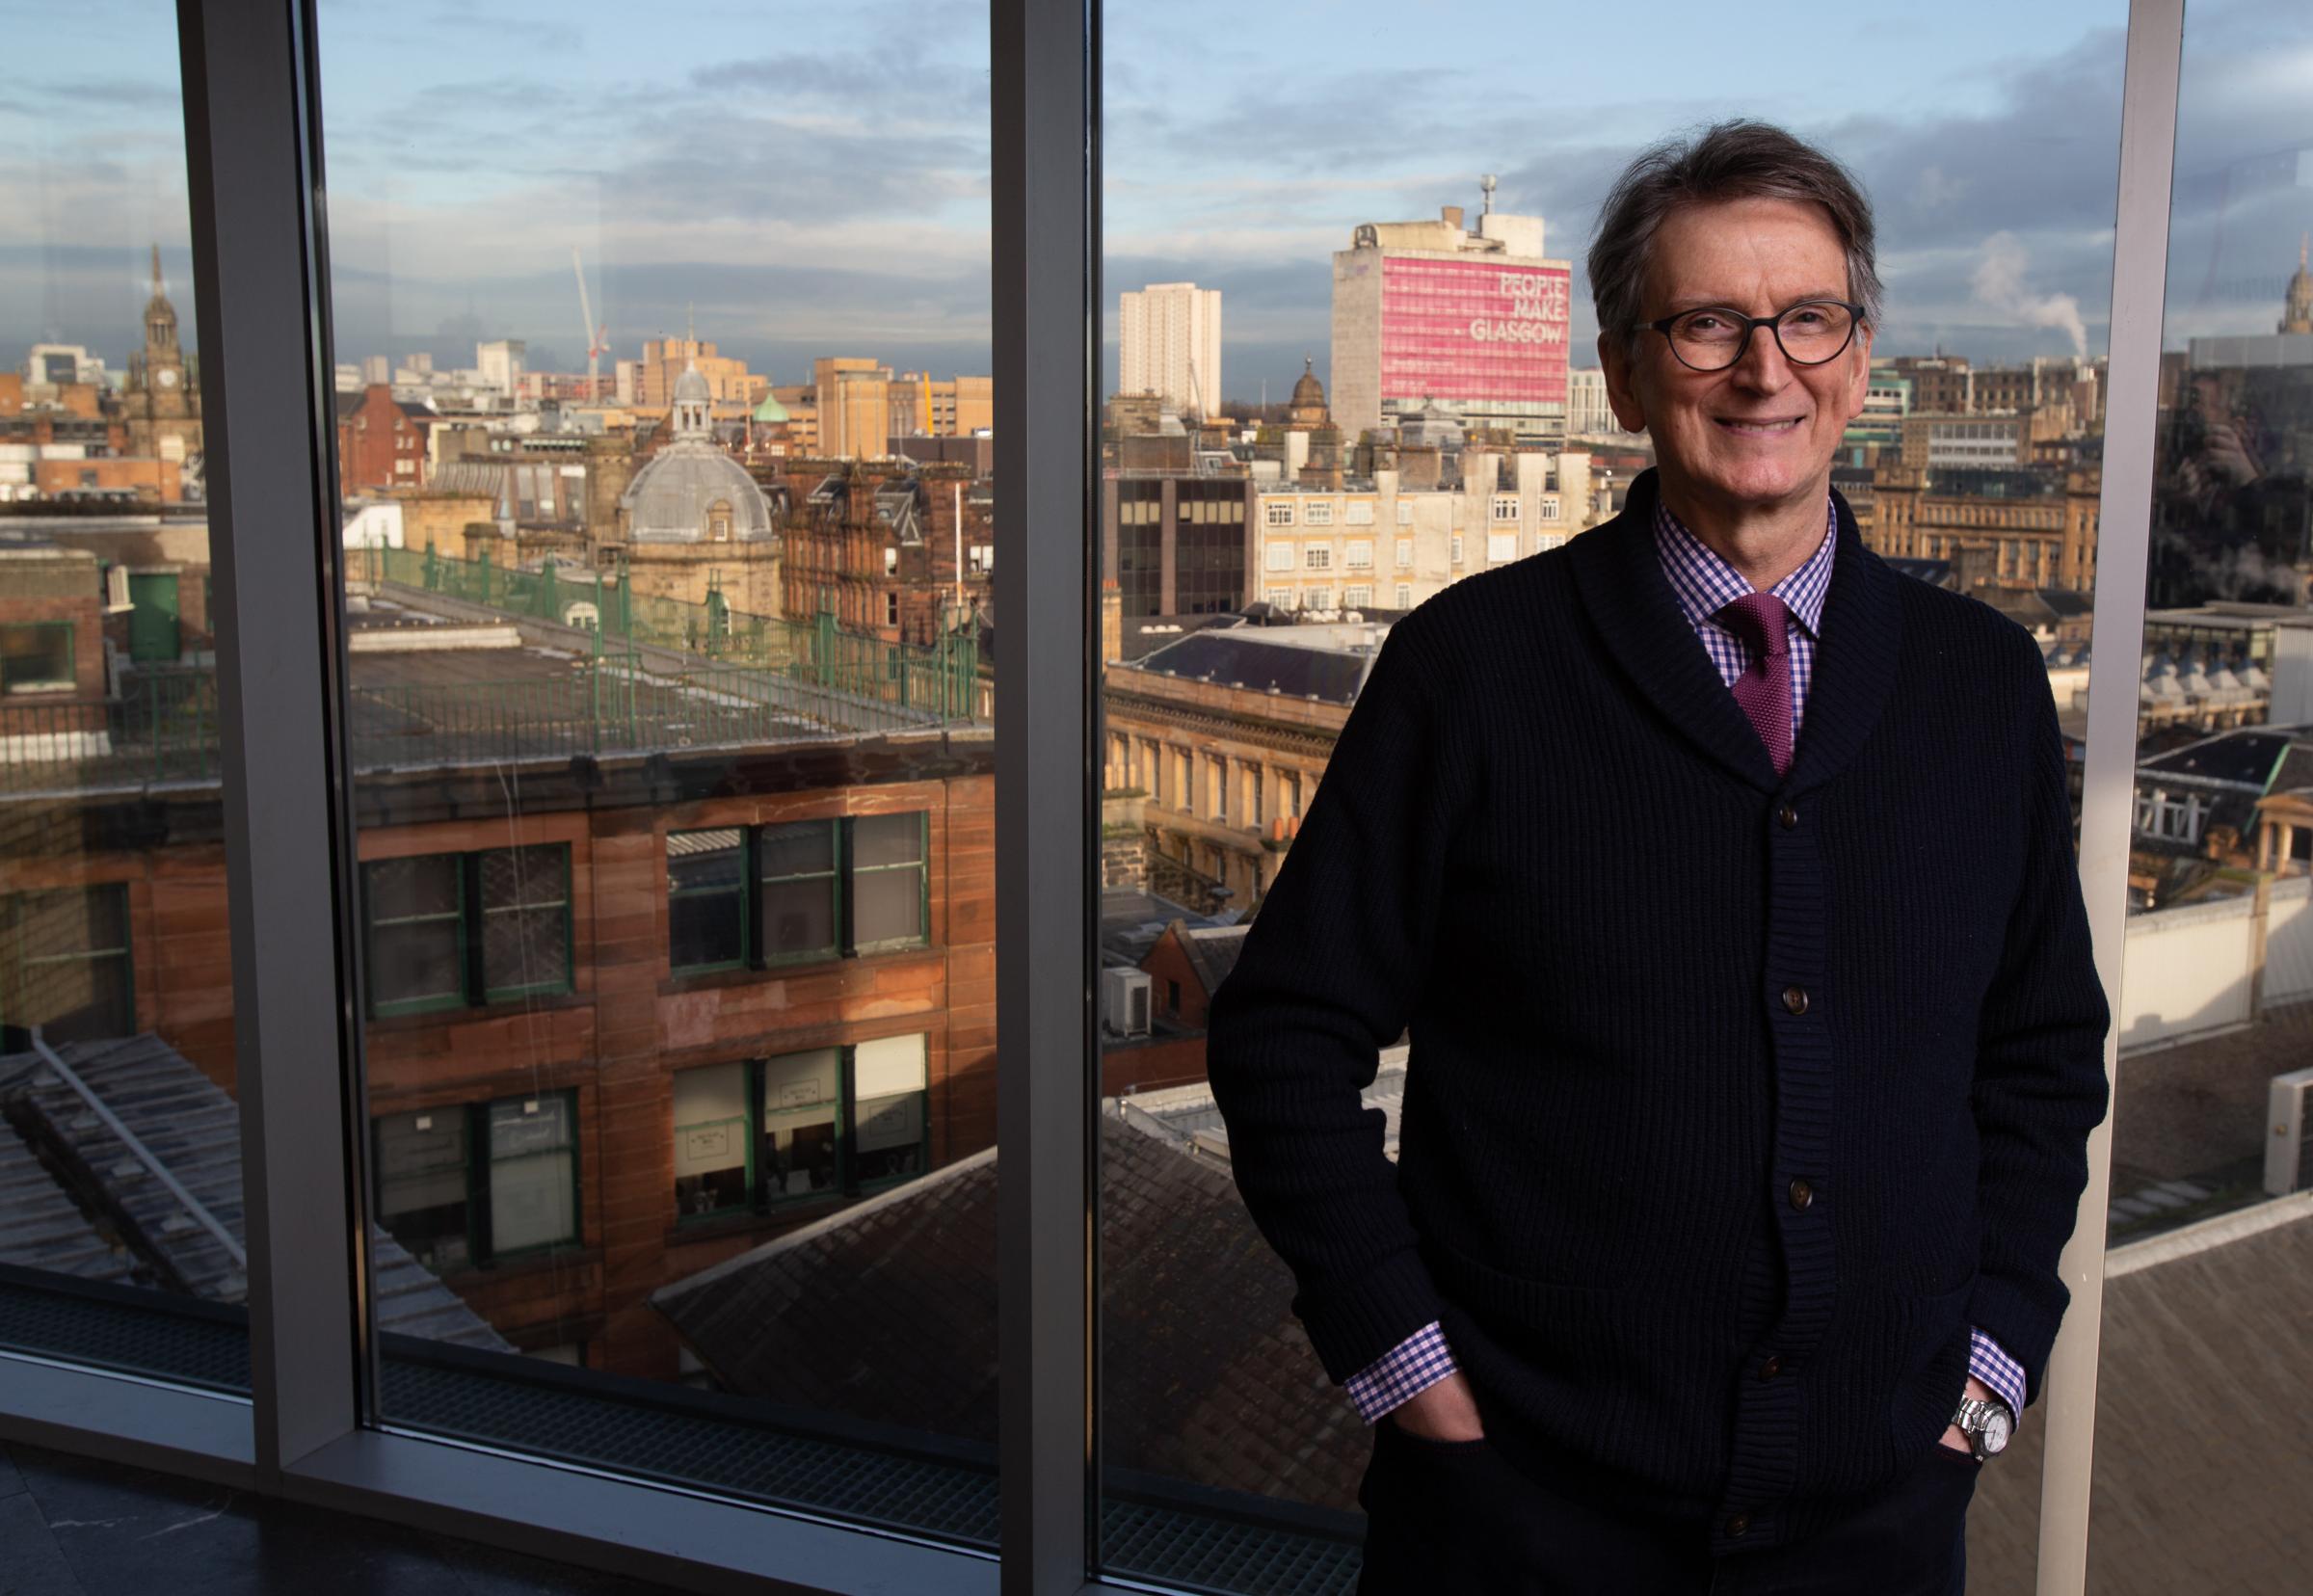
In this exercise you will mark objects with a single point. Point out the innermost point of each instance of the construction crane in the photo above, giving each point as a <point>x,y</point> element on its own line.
<point>598,339</point>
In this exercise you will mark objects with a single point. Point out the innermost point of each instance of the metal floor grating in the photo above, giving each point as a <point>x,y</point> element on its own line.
<point>948,1500</point>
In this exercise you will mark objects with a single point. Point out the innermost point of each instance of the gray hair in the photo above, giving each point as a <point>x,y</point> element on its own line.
<point>1730,160</point>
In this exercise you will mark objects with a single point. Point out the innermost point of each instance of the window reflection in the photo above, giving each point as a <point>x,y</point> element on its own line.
<point>1409,396</point>
<point>671,677</point>
<point>119,1139</point>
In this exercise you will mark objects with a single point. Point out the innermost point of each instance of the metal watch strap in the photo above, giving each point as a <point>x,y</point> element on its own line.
<point>1969,1417</point>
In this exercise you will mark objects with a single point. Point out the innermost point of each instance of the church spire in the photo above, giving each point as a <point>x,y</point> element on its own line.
<point>156,270</point>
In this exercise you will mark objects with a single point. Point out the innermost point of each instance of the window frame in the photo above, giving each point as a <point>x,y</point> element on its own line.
<point>757,952</point>
<point>53,685</point>
<point>762,1199</point>
<point>12,907</point>
<point>480,1163</point>
<point>251,74</point>
<point>474,990</point>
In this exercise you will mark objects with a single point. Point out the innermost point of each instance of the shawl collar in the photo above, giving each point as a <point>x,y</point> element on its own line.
<point>1648,639</point>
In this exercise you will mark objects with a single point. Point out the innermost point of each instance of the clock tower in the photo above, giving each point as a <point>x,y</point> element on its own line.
<point>162,404</point>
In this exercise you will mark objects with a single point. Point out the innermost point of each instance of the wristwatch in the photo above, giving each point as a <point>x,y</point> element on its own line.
<point>1987,1425</point>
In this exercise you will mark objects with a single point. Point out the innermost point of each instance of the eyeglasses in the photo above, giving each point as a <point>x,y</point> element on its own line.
<point>1714,337</point>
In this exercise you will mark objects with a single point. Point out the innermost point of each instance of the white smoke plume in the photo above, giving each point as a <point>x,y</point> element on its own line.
<point>1999,284</point>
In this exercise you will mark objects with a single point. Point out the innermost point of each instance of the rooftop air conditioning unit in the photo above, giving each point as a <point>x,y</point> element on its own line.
<point>1125,1003</point>
<point>2289,1150</point>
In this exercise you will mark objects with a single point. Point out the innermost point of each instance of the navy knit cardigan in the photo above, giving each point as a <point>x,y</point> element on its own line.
<point>1706,1065</point>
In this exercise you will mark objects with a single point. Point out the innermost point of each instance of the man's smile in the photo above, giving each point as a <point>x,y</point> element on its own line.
<point>1773,426</point>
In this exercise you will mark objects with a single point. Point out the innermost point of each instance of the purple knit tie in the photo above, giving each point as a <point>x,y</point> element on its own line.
<point>1764,689</point>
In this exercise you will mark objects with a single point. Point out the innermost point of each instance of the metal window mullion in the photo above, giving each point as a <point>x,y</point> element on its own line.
<point>1044,208</point>
<point>2124,517</point>
<point>260,271</point>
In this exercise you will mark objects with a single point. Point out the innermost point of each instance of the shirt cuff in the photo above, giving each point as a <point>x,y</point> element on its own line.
<point>1991,1364</point>
<point>1413,1366</point>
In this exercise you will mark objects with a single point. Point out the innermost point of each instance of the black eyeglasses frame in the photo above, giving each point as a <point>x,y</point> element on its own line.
<point>1750,325</point>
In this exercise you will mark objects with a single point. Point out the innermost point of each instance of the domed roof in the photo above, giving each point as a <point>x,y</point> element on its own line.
<point>692,387</point>
<point>1308,390</point>
<point>674,497</point>
<point>770,409</point>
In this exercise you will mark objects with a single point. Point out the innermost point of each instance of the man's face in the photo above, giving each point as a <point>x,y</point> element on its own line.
<point>1762,433</point>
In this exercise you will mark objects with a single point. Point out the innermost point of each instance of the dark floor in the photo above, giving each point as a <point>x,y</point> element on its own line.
<point>70,1526</point>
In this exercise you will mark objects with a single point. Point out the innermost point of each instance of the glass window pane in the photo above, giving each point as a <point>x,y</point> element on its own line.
<point>422,1186</point>
<point>532,1175</point>
<point>710,1139</point>
<point>1441,356</point>
<point>115,953</point>
<point>623,442</point>
<point>886,905</point>
<point>409,888</point>
<point>2212,1117</point>
<point>886,839</point>
<point>416,962</point>
<point>802,848</point>
<point>705,899</point>
<point>525,946</point>
<point>799,916</point>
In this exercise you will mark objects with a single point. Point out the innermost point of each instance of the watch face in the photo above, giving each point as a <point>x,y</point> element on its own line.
<point>168,376</point>
<point>1995,1430</point>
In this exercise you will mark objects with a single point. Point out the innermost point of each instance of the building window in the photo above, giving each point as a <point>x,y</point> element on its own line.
<point>1277,513</point>
<point>1319,513</point>
<point>1455,553</point>
<point>891,562</point>
<point>1278,597</point>
<point>64,966</point>
<point>890,609</point>
<point>35,657</point>
<point>1356,598</point>
<point>1172,996</point>
<point>1317,556</point>
<point>801,1104</point>
<point>1279,556</point>
<point>470,1184</point>
<point>1405,513</point>
<point>1505,507</point>
<point>799,892</point>
<point>1405,552</point>
<point>1361,553</point>
<point>1320,599</point>
<point>1548,509</point>
<point>1502,545</point>
<point>455,930</point>
<point>1403,597</point>
<point>1359,512</point>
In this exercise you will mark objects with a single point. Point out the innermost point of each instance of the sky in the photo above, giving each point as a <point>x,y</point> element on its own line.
<point>812,180</point>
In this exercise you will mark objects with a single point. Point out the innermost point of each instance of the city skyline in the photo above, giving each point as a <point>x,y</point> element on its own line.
<point>878,237</point>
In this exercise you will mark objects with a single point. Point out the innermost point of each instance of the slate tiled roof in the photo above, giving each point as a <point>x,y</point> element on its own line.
<point>1211,952</point>
<point>1237,656</point>
<point>886,1313</point>
<point>95,1209</point>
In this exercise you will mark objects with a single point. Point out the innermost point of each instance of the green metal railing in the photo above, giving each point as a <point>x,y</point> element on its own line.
<point>938,678</point>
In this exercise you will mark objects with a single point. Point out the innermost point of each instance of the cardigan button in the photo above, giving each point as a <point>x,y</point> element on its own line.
<point>1801,1194</point>
<point>1773,1366</point>
<point>1786,817</point>
<point>1737,1525</point>
<point>1794,998</point>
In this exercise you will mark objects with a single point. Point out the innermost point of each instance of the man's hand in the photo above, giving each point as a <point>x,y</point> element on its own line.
<point>1443,1411</point>
<point>1953,1436</point>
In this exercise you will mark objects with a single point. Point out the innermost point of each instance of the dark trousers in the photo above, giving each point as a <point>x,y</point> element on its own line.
<point>1457,1518</point>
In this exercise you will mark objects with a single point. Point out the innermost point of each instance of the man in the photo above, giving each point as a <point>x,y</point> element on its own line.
<point>1723,879</point>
